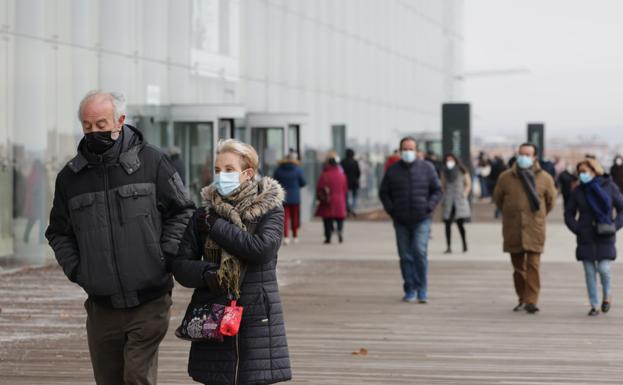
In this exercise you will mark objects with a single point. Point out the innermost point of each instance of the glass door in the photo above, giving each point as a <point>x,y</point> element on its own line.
<point>268,141</point>
<point>195,140</point>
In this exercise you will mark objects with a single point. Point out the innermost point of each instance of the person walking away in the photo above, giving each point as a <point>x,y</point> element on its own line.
<point>457,185</point>
<point>331,192</point>
<point>119,210</point>
<point>410,191</point>
<point>37,200</point>
<point>230,246</point>
<point>616,171</point>
<point>589,215</point>
<point>526,194</point>
<point>351,168</point>
<point>290,176</point>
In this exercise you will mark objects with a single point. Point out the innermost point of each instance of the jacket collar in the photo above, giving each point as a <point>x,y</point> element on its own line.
<point>132,144</point>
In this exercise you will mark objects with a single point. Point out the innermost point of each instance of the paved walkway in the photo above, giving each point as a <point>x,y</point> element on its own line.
<point>342,298</point>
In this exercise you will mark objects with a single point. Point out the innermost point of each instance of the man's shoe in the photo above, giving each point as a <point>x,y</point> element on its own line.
<point>531,308</point>
<point>295,240</point>
<point>448,251</point>
<point>286,241</point>
<point>519,307</point>
<point>605,306</point>
<point>422,301</point>
<point>593,312</point>
<point>410,297</point>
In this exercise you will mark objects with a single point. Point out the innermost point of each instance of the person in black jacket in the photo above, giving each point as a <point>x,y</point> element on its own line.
<point>119,210</point>
<point>353,173</point>
<point>590,205</point>
<point>410,191</point>
<point>229,250</point>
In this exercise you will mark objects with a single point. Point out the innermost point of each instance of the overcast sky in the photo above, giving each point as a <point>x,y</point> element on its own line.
<point>574,52</point>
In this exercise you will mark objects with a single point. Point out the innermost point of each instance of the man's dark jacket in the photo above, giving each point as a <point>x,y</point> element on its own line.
<point>410,191</point>
<point>115,219</point>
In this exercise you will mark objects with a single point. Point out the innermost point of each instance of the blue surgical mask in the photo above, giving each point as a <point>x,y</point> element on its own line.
<point>586,177</point>
<point>226,182</point>
<point>524,161</point>
<point>407,156</point>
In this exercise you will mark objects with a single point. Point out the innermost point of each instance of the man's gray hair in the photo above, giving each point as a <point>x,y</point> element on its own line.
<point>116,98</point>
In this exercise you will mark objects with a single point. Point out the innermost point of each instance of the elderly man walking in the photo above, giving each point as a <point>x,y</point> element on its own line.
<point>120,209</point>
<point>410,191</point>
<point>525,194</point>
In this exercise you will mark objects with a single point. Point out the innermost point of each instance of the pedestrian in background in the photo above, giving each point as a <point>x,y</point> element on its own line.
<point>119,212</point>
<point>290,176</point>
<point>526,194</point>
<point>589,215</point>
<point>616,171</point>
<point>410,191</point>
<point>498,166</point>
<point>393,158</point>
<point>331,193</point>
<point>457,185</point>
<point>350,165</point>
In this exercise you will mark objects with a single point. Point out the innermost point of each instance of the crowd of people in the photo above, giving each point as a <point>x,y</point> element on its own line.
<point>123,226</point>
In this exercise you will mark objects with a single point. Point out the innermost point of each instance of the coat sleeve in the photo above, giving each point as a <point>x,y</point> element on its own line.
<point>468,184</point>
<point>302,180</point>
<point>61,236</point>
<point>175,206</point>
<point>257,248</point>
<point>187,266</point>
<point>385,193</point>
<point>617,203</point>
<point>571,210</point>
<point>550,194</point>
<point>435,193</point>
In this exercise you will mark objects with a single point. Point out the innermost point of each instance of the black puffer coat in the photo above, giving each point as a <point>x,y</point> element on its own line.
<point>410,191</point>
<point>115,219</point>
<point>259,354</point>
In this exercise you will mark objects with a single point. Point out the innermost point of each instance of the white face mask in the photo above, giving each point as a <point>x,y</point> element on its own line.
<point>450,164</point>
<point>619,161</point>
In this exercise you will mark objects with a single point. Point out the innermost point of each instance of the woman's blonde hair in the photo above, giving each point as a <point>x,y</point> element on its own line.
<point>591,164</point>
<point>249,156</point>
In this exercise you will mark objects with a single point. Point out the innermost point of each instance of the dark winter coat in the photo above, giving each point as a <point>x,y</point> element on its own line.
<point>590,246</point>
<point>334,181</point>
<point>116,217</point>
<point>410,191</point>
<point>259,354</point>
<point>616,172</point>
<point>352,172</point>
<point>290,176</point>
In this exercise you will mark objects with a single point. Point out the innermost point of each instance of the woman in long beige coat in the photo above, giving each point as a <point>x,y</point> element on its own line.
<point>525,194</point>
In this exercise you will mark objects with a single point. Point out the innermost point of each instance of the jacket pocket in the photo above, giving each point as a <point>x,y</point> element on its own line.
<point>83,213</point>
<point>135,200</point>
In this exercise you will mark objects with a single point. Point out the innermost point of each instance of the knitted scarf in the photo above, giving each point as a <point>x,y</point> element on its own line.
<point>248,203</point>
<point>529,185</point>
<point>598,200</point>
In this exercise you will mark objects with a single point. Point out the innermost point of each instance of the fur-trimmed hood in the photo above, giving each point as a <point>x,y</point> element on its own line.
<point>265,196</point>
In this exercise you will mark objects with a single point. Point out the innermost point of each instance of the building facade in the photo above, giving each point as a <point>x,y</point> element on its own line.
<point>308,75</point>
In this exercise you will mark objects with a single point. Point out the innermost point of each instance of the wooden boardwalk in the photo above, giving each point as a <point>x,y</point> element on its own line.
<point>467,334</point>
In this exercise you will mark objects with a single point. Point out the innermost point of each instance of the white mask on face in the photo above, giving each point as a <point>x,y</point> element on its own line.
<point>450,164</point>
<point>619,161</point>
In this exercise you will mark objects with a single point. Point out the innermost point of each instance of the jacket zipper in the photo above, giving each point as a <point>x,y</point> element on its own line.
<point>112,238</point>
<point>237,360</point>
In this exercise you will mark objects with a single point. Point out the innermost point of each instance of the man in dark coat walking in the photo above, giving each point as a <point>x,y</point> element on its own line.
<point>119,209</point>
<point>353,173</point>
<point>410,191</point>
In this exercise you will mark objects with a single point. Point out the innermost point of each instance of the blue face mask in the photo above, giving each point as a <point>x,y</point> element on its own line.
<point>524,161</point>
<point>586,177</point>
<point>407,156</point>
<point>226,182</point>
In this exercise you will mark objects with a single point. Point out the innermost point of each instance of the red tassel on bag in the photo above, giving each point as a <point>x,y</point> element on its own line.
<point>231,320</point>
